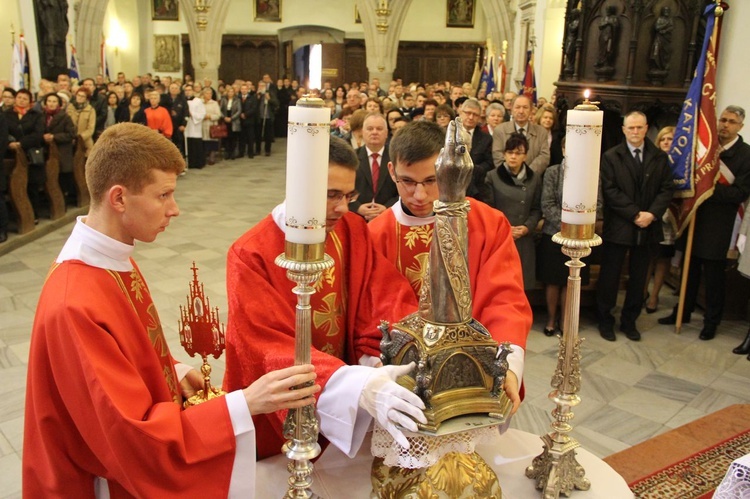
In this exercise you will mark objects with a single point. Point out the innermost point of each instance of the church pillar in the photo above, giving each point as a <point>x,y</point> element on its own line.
<point>89,21</point>
<point>501,17</point>
<point>382,21</point>
<point>205,21</point>
<point>525,36</point>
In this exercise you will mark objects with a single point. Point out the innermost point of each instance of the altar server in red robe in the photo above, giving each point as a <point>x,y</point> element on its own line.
<point>104,413</point>
<point>404,232</point>
<point>350,300</point>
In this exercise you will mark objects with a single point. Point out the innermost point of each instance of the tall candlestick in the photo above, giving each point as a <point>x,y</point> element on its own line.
<point>583,147</point>
<point>307,171</point>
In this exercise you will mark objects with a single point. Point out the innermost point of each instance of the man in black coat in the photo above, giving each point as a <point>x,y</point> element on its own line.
<point>481,145</point>
<point>248,113</point>
<point>374,201</point>
<point>268,104</point>
<point>176,103</point>
<point>637,187</point>
<point>4,136</point>
<point>714,224</point>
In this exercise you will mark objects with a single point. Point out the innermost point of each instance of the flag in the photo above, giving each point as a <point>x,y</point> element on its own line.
<point>529,80</point>
<point>104,65</point>
<point>73,69</point>
<point>502,74</point>
<point>694,155</point>
<point>20,75</point>
<point>488,73</point>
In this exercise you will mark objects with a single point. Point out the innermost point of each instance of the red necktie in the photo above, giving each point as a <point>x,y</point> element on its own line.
<point>375,173</point>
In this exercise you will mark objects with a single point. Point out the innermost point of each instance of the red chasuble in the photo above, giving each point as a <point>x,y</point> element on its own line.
<point>102,397</point>
<point>350,300</point>
<point>499,301</point>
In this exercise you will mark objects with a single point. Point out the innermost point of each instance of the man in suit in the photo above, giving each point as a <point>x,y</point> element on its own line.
<point>637,187</point>
<point>537,155</point>
<point>373,170</point>
<point>267,106</point>
<point>714,224</point>
<point>481,144</point>
<point>176,104</point>
<point>249,106</point>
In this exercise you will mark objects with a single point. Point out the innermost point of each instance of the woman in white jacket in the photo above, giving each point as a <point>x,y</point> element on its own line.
<point>196,156</point>
<point>213,113</point>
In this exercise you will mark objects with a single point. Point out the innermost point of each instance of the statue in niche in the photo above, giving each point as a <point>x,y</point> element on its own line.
<point>52,31</point>
<point>661,49</point>
<point>570,40</point>
<point>609,28</point>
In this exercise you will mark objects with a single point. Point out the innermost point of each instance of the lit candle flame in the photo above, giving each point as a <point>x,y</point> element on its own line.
<point>586,94</point>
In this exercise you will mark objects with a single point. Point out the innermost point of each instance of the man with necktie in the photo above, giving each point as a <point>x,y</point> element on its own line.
<point>537,154</point>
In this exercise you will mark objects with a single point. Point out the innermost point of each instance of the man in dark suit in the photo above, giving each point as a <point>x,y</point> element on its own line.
<point>481,144</point>
<point>537,155</point>
<point>267,106</point>
<point>373,165</point>
<point>637,187</point>
<point>176,104</point>
<point>248,114</point>
<point>714,224</point>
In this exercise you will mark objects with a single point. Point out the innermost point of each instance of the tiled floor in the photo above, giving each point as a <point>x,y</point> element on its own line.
<point>630,391</point>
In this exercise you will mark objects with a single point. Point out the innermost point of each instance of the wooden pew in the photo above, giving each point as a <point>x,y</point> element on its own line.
<point>79,173</point>
<point>17,170</point>
<point>52,184</point>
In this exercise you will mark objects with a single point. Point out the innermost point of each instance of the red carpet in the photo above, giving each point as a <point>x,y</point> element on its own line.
<point>688,462</point>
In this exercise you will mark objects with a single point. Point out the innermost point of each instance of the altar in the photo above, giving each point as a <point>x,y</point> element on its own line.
<point>337,476</point>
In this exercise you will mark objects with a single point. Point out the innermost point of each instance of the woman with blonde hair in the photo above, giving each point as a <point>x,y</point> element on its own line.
<point>213,113</point>
<point>546,116</point>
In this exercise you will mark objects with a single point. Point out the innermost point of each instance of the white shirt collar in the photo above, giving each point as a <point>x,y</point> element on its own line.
<point>410,220</point>
<point>380,152</point>
<point>96,249</point>
<point>729,145</point>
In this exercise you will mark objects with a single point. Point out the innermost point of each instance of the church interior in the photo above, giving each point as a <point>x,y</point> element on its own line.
<point>631,391</point>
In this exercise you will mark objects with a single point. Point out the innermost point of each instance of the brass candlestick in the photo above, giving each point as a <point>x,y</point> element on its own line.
<point>304,263</point>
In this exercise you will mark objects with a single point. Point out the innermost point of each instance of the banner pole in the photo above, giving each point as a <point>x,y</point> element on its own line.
<point>684,276</point>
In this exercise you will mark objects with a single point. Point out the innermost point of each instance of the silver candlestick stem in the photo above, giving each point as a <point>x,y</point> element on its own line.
<point>304,263</point>
<point>556,470</point>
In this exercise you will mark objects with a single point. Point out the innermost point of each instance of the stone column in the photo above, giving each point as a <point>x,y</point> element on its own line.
<point>382,33</point>
<point>89,21</point>
<point>205,28</point>
<point>501,19</point>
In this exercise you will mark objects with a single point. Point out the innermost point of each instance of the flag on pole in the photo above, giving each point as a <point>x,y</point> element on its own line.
<point>20,75</point>
<point>502,75</point>
<point>488,72</point>
<point>529,80</point>
<point>104,65</point>
<point>73,69</point>
<point>694,155</point>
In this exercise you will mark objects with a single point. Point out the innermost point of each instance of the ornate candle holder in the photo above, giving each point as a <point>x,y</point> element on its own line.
<point>556,469</point>
<point>303,263</point>
<point>201,333</point>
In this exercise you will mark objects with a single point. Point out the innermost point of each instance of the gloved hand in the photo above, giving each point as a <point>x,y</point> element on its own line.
<point>390,403</point>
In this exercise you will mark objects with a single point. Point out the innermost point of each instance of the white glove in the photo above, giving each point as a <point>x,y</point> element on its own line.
<point>390,403</point>
<point>741,240</point>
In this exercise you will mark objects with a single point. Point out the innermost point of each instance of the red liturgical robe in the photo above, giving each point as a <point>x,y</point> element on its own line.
<point>499,301</point>
<point>103,399</point>
<point>350,300</point>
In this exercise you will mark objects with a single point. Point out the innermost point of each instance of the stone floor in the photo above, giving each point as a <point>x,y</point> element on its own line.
<point>630,391</point>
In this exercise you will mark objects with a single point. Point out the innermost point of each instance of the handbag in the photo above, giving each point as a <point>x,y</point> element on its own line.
<point>36,156</point>
<point>218,131</point>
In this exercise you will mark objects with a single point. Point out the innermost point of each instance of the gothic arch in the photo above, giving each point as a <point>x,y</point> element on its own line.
<point>89,21</point>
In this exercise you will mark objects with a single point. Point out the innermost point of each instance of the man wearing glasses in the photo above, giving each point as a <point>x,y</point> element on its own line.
<point>481,144</point>
<point>404,232</point>
<point>714,224</point>
<point>351,298</point>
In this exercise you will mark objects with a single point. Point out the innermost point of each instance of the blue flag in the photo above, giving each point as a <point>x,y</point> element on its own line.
<point>73,69</point>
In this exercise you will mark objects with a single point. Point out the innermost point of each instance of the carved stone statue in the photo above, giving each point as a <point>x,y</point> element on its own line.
<point>52,31</point>
<point>661,49</point>
<point>570,40</point>
<point>609,28</point>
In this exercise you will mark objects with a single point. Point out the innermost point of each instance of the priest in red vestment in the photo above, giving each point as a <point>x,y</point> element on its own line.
<point>104,396</point>
<point>351,298</point>
<point>403,233</point>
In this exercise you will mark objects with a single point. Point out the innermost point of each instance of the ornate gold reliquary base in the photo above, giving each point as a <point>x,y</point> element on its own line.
<point>458,370</point>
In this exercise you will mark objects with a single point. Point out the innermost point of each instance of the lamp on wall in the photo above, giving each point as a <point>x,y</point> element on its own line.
<point>201,8</point>
<point>118,38</point>
<point>382,11</point>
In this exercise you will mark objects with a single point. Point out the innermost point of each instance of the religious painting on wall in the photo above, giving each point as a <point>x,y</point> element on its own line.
<point>268,10</point>
<point>167,53</point>
<point>460,14</point>
<point>165,10</point>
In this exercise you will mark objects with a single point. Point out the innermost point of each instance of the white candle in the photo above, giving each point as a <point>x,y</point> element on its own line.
<point>583,145</point>
<point>307,174</point>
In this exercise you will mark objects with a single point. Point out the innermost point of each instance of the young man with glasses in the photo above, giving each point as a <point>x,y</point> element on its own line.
<point>351,298</point>
<point>404,233</point>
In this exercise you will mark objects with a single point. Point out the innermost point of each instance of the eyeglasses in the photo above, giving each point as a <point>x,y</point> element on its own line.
<point>336,197</point>
<point>731,122</point>
<point>411,185</point>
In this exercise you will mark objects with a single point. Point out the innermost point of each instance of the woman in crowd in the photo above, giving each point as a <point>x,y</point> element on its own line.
<point>231,108</point>
<point>444,114</point>
<point>112,101</point>
<point>515,189</point>
<point>494,116</point>
<point>26,126</point>
<point>356,123</point>
<point>83,116</point>
<point>659,265</point>
<point>430,105</point>
<point>213,113</point>
<point>134,111</point>
<point>59,127</point>
<point>390,118</point>
<point>374,106</point>
<point>546,116</point>
<point>339,97</point>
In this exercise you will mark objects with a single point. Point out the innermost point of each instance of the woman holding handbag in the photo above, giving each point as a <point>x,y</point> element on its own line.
<point>26,126</point>
<point>213,113</point>
<point>231,108</point>
<point>59,128</point>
